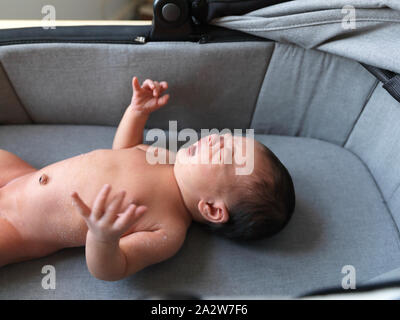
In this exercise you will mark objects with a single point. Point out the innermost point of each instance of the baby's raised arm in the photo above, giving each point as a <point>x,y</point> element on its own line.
<point>145,100</point>
<point>110,257</point>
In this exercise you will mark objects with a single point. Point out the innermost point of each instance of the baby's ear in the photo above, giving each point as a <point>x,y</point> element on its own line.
<point>223,212</point>
<point>215,212</point>
<point>203,208</point>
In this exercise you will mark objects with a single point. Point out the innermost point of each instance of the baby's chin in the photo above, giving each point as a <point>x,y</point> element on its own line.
<point>180,156</point>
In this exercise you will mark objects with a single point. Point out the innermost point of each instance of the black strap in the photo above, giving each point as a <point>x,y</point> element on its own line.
<point>390,80</point>
<point>393,87</point>
<point>84,34</point>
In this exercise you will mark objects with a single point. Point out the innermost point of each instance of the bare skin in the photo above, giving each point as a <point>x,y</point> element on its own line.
<point>46,210</point>
<point>86,199</point>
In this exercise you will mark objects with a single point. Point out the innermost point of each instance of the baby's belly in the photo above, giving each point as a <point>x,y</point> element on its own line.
<point>42,214</point>
<point>40,207</point>
<point>39,204</point>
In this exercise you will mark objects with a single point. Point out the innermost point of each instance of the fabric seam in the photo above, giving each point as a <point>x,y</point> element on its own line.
<point>380,192</point>
<point>261,86</point>
<point>316,23</point>
<point>394,191</point>
<point>371,92</point>
<point>15,92</point>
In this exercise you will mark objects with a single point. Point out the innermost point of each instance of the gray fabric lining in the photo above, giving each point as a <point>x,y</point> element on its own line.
<point>260,88</point>
<point>375,139</point>
<point>384,201</point>
<point>373,88</point>
<point>91,83</point>
<point>312,94</point>
<point>348,199</point>
<point>339,219</point>
<point>393,275</point>
<point>11,109</point>
<point>319,25</point>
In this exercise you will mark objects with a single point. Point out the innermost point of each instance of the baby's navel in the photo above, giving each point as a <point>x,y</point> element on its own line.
<point>43,179</point>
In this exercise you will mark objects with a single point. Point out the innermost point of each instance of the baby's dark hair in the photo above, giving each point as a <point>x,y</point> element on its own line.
<point>263,202</point>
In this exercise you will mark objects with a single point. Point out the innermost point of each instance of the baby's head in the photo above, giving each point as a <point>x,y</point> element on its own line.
<point>238,206</point>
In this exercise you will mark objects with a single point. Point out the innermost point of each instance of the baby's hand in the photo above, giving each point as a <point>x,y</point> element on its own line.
<point>146,98</point>
<point>108,225</point>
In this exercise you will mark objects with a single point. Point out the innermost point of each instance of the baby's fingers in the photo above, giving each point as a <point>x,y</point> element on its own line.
<point>135,84</point>
<point>163,100</point>
<point>164,85</point>
<point>99,203</point>
<point>113,207</point>
<point>82,208</point>
<point>148,84</point>
<point>156,87</point>
<point>128,217</point>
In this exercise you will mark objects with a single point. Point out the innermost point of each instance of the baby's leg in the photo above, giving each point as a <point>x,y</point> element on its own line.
<point>12,247</point>
<point>12,167</point>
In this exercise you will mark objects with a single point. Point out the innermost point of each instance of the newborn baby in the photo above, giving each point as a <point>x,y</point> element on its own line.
<point>130,213</point>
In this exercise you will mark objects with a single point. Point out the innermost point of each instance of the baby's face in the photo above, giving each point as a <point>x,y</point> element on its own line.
<point>210,165</point>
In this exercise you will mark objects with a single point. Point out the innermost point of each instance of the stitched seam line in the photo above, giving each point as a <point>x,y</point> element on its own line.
<point>371,92</point>
<point>395,190</point>
<point>15,92</point>
<point>366,166</point>
<point>382,196</point>
<point>261,86</point>
<point>316,23</point>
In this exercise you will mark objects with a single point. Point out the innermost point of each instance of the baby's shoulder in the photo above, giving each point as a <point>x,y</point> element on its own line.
<point>174,223</point>
<point>158,152</point>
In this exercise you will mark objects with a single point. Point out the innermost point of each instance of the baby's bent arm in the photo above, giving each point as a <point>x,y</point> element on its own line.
<point>146,99</point>
<point>112,256</point>
<point>130,129</point>
<point>115,261</point>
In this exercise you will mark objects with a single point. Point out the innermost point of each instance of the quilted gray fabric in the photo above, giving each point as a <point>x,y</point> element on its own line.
<point>340,219</point>
<point>311,94</point>
<point>326,117</point>
<point>376,140</point>
<point>91,83</point>
<point>11,110</point>
<point>326,25</point>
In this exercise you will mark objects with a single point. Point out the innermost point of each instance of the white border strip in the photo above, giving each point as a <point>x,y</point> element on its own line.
<point>11,24</point>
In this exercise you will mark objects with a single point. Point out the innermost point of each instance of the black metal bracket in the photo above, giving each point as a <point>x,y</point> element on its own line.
<point>172,20</point>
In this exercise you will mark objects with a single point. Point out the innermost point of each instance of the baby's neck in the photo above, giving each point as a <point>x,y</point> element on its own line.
<point>190,203</point>
<point>169,179</point>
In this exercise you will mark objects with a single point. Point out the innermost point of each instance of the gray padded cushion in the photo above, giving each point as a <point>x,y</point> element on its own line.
<point>375,139</point>
<point>56,82</point>
<point>316,24</point>
<point>340,219</point>
<point>11,110</point>
<point>390,276</point>
<point>297,92</point>
<point>311,94</point>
